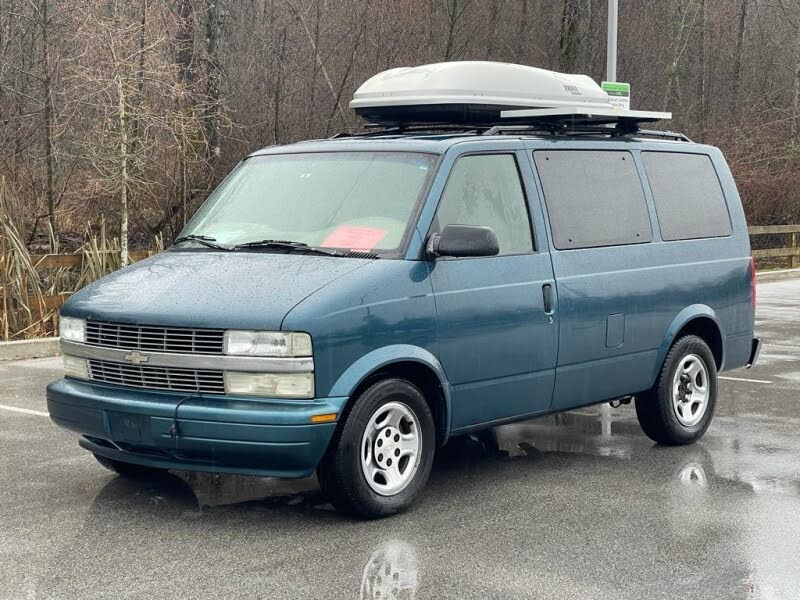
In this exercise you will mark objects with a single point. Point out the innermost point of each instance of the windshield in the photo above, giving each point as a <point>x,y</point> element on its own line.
<point>360,201</point>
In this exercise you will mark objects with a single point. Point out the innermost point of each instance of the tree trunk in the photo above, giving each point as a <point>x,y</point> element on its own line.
<point>348,69</point>
<point>737,58</point>
<point>703,72</point>
<point>278,87</point>
<point>140,70</point>
<point>49,158</point>
<point>681,39</point>
<point>187,73</point>
<point>568,40</point>
<point>494,14</point>
<point>317,58</point>
<point>796,88</point>
<point>452,22</point>
<point>212,83</point>
<point>123,171</point>
<point>185,41</point>
<point>522,36</point>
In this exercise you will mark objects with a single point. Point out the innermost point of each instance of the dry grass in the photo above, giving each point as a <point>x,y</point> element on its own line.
<point>28,307</point>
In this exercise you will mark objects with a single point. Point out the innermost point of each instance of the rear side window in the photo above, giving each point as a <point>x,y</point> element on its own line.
<point>486,190</point>
<point>594,198</point>
<point>687,194</point>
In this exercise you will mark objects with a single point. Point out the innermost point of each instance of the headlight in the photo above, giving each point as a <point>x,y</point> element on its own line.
<point>72,329</point>
<point>75,367</point>
<point>274,385</point>
<point>267,343</point>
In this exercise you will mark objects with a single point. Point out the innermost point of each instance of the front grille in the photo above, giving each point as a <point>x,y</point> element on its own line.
<point>150,338</point>
<point>158,378</point>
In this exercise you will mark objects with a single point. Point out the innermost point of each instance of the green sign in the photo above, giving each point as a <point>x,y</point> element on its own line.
<point>618,93</point>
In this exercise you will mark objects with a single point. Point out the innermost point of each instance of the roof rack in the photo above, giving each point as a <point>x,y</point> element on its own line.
<point>567,121</point>
<point>574,117</point>
<point>522,128</point>
<point>583,130</point>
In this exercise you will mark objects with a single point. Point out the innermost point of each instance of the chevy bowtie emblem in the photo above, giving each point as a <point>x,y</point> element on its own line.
<point>137,358</point>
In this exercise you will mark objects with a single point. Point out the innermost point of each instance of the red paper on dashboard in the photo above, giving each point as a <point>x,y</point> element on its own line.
<point>354,238</point>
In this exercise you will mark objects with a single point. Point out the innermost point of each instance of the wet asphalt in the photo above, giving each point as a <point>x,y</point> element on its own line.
<point>578,505</point>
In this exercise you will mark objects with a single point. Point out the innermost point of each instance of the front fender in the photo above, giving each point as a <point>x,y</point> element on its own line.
<point>681,319</point>
<point>382,357</point>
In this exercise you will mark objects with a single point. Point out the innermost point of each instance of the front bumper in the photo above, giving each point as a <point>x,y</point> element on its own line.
<point>214,433</point>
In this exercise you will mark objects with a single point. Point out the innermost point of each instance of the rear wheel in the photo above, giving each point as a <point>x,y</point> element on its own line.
<point>381,456</point>
<point>679,408</point>
<point>124,469</point>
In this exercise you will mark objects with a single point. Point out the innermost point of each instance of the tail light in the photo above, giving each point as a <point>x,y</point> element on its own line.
<point>753,282</point>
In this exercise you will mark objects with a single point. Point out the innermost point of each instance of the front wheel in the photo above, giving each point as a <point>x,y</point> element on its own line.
<point>679,408</point>
<point>381,456</point>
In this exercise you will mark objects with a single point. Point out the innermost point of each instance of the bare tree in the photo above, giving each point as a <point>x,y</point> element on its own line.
<point>214,17</point>
<point>43,15</point>
<point>141,134</point>
<point>456,20</point>
<point>739,52</point>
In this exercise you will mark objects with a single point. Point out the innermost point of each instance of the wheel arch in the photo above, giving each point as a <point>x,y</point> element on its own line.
<point>412,363</point>
<point>700,320</point>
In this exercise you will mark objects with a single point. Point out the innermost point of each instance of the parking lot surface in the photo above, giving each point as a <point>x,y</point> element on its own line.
<point>578,505</point>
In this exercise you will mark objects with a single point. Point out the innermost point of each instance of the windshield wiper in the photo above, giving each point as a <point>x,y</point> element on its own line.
<point>288,245</point>
<point>202,239</point>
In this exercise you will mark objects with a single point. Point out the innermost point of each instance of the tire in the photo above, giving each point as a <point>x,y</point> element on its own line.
<point>665,414</point>
<point>379,428</point>
<point>124,469</point>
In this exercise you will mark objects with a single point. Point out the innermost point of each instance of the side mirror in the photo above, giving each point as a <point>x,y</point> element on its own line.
<point>463,241</point>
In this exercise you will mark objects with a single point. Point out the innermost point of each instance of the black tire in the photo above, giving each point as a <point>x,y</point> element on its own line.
<point>655,409</point>
<point>340,473</point>
<point>124,469</point>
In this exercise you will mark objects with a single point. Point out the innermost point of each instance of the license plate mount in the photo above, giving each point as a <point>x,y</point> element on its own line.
<point>129,427</point>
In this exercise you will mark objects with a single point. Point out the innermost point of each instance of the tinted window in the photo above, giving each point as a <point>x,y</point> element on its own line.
<point>486,190</point>
<point>594,198</point>
<point>687,194</point>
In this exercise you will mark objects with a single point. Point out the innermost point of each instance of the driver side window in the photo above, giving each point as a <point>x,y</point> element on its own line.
<point>485,190</point>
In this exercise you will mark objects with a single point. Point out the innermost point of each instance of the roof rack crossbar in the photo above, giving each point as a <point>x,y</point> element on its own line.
<point>376,129</point>
<point>672,135</point>
<point>554,128</point>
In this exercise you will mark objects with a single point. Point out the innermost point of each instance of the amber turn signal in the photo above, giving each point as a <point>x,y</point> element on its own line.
<point>329,418</point>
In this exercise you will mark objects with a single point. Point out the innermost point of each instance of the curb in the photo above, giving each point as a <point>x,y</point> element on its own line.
<point>764,276</point>
<point>24,349</point>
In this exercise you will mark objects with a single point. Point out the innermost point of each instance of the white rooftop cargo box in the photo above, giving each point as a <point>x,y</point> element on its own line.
<point>470,92</point>
<point>488,93</point>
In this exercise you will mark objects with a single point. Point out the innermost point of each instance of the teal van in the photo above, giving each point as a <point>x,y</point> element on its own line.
<point>345,306</point>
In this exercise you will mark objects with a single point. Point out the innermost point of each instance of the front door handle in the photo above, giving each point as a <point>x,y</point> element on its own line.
<point>547,298</point>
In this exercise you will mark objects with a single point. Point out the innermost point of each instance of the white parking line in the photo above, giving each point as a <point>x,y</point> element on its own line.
<point>743,379</point>
<point>26,411</point>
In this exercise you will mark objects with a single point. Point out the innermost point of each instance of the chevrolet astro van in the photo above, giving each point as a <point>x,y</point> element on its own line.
<point>345,306</point>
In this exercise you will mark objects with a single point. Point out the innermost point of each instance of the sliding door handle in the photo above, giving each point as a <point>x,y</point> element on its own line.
<point>547,298</point>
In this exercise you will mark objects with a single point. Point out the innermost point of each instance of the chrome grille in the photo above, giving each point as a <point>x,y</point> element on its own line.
<point>157,378</point>
<point>150,338</point>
